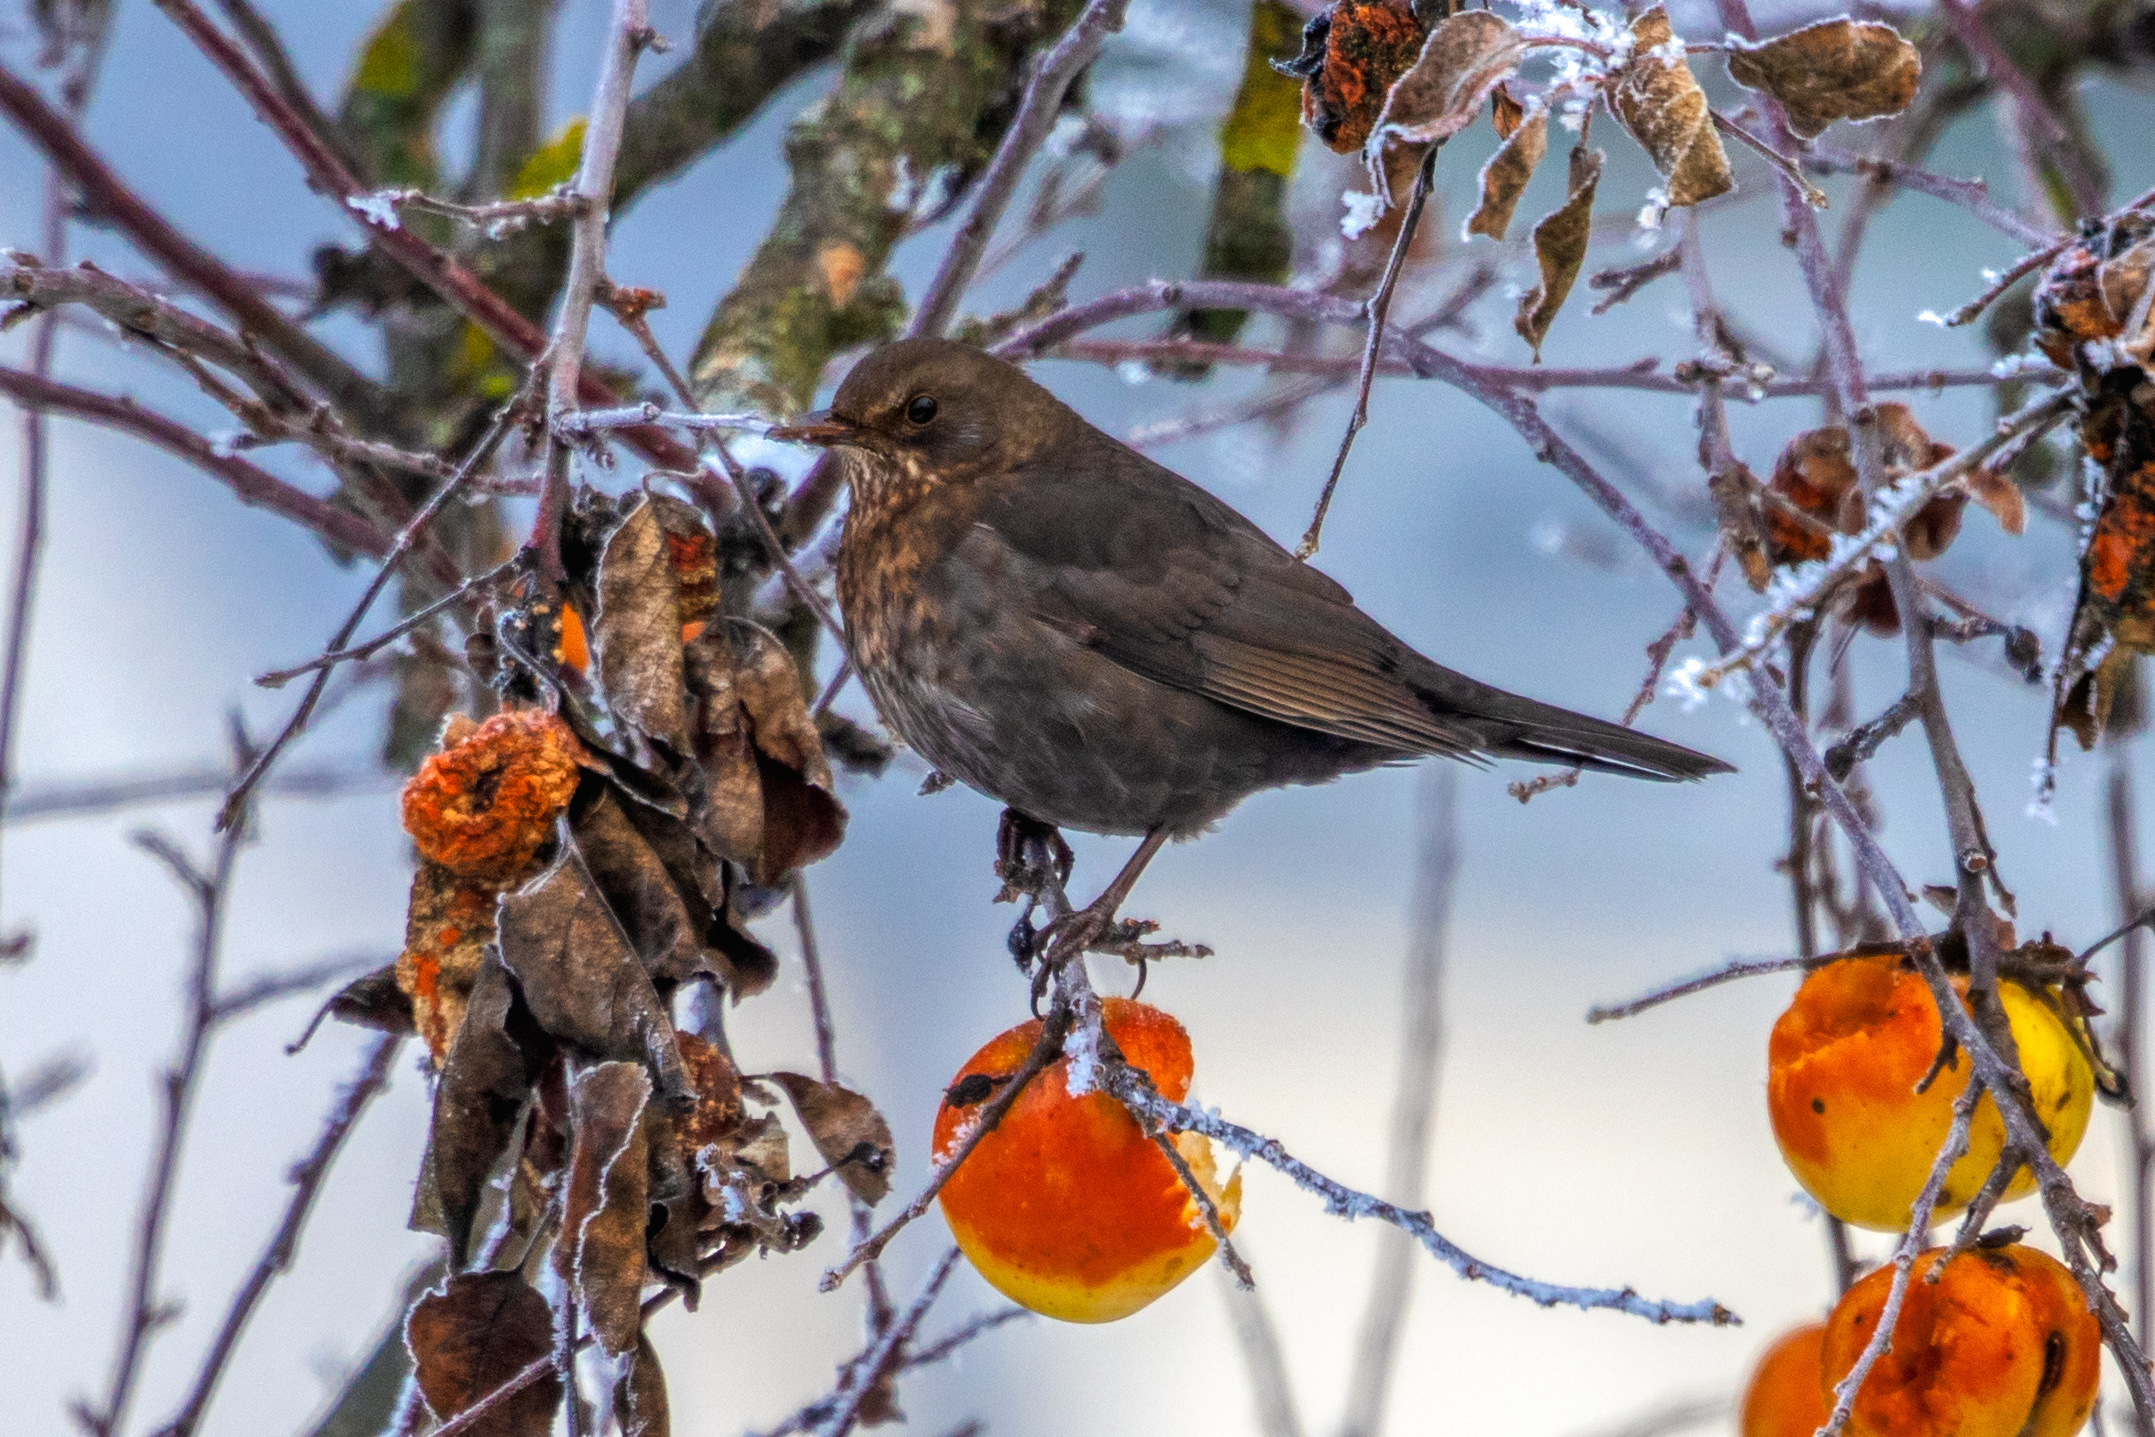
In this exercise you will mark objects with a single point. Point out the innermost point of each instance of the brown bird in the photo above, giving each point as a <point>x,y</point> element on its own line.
<point>1052,618</point>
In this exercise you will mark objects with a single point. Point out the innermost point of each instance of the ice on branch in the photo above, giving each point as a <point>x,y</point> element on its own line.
<point>1362,211</point>
<point>378,208</point>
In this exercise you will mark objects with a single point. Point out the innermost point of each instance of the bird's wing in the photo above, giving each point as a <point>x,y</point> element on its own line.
<point>1159,576</point>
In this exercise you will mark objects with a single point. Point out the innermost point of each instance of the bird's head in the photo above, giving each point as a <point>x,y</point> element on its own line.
<point>934,411</point>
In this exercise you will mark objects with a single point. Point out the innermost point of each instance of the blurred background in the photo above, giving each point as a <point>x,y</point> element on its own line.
<point>1630,1153</point>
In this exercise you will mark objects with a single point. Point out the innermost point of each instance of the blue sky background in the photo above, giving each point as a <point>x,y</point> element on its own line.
<point>1630,1153</point>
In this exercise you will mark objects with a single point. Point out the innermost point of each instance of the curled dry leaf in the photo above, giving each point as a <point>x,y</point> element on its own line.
<point>1815,478</point>
<point>1659,101</point>
<point>583,981</point>
<point>484,806</point>
<point>637,633</point>
<point>1464,58</point>
<point>484,1084</point>
<point>2000,496</point>
<point>847,1130</point>
<point>373,1000</point>
<point>471,1337</point>
<point>1838,69</point>
<point>640,1403</point>
<point>1351,54</point>
<point>1505,113</point>
<point>1505,177</point>
<point>1560,242</point>
<point>768,801</point>
<point>1735,492</point>
<point>606,1204</point>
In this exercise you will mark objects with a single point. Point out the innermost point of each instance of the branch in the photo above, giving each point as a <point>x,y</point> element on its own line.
<point>104,195</point>
<point>591,192</point>
<point>874,1364</point>
<point>2045,133</point>
<point>145,1312</point>
<point>252,485</point>
<point>1037,111</point>
<point>331,176</point>
<point>307,1177</point>
<point>1971,195</point>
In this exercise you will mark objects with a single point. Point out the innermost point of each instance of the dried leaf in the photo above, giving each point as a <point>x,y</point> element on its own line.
<point>1505,177</point>
<point>640,1405</point>
<point>484,1085</point>
<point>1350,56</point>
<point>606,1204</point>
<point>1839,69</point>
<point>2001,496</point>
<point>1660,103</point>
<point>665,918</point>
<point>768,802</point>
<point>470,1338</point>
<point>374,1000</point>
<point>638,631</point>
<point>1463,59</point>
<point>847,1130</point>
<point>1505,113</point>
<point>1560,242</point>
<point>1734,490</point>
<point>446,930</point>
<point>583,981</point>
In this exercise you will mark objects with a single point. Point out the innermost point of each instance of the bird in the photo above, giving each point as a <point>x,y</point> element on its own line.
<point>1075,630</point>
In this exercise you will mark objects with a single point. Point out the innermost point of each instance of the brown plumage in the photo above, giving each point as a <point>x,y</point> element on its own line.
<point>1052,618</point>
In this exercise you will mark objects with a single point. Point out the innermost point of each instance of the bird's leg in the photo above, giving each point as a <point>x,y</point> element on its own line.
<point>1071,933</point>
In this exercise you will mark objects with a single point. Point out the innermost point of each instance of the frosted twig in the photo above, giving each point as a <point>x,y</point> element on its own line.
<point>875,1362</point>
<point>1803,591</point>
<point>497,218</point>
<point>629,416</point>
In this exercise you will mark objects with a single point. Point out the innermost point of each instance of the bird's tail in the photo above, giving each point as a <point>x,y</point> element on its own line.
<point>1515,727</point>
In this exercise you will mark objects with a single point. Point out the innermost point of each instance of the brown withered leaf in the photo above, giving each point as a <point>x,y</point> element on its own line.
<point>1659,101</point>
<point>768,803</point>
<point>664,929</point>
<point>1560,242</point>
<point>606,1205</point>
<point>1505,177</point>
<point>484,1086</point>
<point>640,1404</point>
<point>1505,113</point>
<point>2000,496</point>
<point>446,929</point>
<point>373,1000</point>
<point>1462,60</point>
<point>637,634</point>
<point>582,979</point>
<point>847,1130</point>
<point>1351,54</point>
<point>1734,490</point>
<point>1838,69</point>
<point>472,1336</point>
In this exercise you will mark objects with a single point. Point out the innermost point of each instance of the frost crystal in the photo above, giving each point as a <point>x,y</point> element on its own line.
<point>1082,1049</point>
<point>1362,211</point>
<point>2045,782</point>
<point>378,209</point>
<point>1684,684</point>
<point>1931,316</point>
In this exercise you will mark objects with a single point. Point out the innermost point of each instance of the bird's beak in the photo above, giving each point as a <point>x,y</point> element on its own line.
<point>823,429</point>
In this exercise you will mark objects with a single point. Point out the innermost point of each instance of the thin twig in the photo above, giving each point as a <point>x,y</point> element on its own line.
<point>1375,312</point>
<point>992,1112</point>
<point>875,1363</point>
<point>1728,972</point>
<point>1208,1209</point>
<point>2045,133</point>
<point>2130,1030</point>
<point>1042,101</point>
<point>278,678</point>
<point>1971,195</point>
<point>1904,1257</point>
<point>307,1177</point>
<point>145,1312</point>
<point>473,461</point>
<point>592,193</point>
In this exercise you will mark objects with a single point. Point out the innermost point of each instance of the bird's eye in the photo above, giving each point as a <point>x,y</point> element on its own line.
<point>920,409</point>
